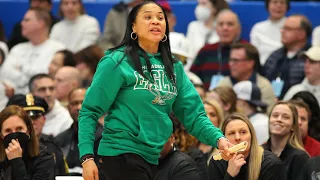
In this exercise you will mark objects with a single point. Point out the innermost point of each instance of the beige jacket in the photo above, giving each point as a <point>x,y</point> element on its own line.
<point>267,94</point>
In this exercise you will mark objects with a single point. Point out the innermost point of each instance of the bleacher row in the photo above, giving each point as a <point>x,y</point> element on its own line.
<point>249,13</point>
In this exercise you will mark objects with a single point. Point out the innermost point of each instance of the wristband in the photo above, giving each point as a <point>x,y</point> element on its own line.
<point>220,139</point>
<point>85,157</point>
<point>86,160</point>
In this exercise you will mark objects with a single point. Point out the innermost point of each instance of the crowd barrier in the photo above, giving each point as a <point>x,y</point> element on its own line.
<point>12,12</point>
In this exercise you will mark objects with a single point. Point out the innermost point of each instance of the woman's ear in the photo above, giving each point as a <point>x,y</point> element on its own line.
<point>172,139</point>
<point>226,107</point>
<point>133,28</point>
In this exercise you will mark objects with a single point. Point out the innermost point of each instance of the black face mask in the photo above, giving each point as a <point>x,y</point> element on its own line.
<point>22,137</point>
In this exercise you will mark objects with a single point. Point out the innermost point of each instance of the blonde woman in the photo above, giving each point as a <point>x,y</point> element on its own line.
<point>215,114</point>
<point>285,139</point>
<point>253,163</point>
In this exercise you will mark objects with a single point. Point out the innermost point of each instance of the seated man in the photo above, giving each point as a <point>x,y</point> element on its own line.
<point>284,67</point>
<point>68,140</point>
<point>212,61</point>
<point>16,36</point>
<point>311,82</point>
<point>58,118</point>
<point>244,65</point>
<point>66,79</point>
<point>32,57</point>
<point>37,107</point>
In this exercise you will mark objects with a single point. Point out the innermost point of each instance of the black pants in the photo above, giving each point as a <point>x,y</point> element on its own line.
<point>126,167</point>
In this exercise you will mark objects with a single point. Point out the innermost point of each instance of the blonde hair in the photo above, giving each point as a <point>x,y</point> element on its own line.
<point>256,151</point>
<point>218,109</point>
<point>295,139</point>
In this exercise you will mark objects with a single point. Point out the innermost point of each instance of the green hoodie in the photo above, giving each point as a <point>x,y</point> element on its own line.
<point>138,120</point>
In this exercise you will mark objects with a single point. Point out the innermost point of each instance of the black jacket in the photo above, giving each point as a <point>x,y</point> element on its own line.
<point>177,166</point>
<point>16,34</point>
<point>201,161</point>
<point>59,160</point>
<point>293,160</point>
<point>40,167</point>
<point>271,169</point>
<point>68,143</point>
<point>311,170</point>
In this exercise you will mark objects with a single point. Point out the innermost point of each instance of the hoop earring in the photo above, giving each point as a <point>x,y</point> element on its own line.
<point>165,38</point>
<point>133,38</point>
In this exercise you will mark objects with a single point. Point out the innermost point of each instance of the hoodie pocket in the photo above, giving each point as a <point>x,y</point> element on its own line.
<point>155,130</point>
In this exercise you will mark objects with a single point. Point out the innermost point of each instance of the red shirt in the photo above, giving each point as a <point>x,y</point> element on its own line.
<point>312,146</point>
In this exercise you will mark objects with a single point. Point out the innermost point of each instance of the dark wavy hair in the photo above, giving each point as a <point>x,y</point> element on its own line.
<point>132,47</point>
<point>314,122</point>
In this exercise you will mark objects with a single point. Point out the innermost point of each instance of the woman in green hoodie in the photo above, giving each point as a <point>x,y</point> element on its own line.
<point>139,83</point>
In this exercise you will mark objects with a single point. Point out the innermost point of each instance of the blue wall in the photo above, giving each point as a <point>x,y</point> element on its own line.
<point>249,12</point>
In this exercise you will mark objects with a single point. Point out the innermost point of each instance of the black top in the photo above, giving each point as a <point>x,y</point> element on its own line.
<point>293,160</point>
<point>68,143</point>
<point>60,164</point>
<point>201,161</point>
<point>177,166</point>
<point>271,169</point>
<point>311,170</point>
<point>40,167</point>
<point>16,34</point>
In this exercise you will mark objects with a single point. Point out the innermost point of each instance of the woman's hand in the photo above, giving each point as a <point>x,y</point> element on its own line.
<point>224,146</point>
<point>235,164</point>
<point>13,150</point>
<point>90,170</point>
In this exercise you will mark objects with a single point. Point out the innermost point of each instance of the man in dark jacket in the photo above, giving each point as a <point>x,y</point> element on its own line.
<point>68,140</point>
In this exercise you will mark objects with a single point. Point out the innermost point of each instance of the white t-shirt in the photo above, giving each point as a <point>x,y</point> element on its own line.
<point>78,34</point>
<point>316,36</point>
<point>266,37</point>
<point>196,34</point>
<point>260,123</point>
<point>303,86</point>
<point>57,120</point>
<point>26,60</point>
<point>4,48</point>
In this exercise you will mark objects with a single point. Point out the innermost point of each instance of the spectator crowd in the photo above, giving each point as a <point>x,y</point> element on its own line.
<point>264,90</point>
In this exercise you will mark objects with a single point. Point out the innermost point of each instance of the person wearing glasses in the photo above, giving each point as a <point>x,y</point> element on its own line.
<point>284,67</point>
<point>244,63</point>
